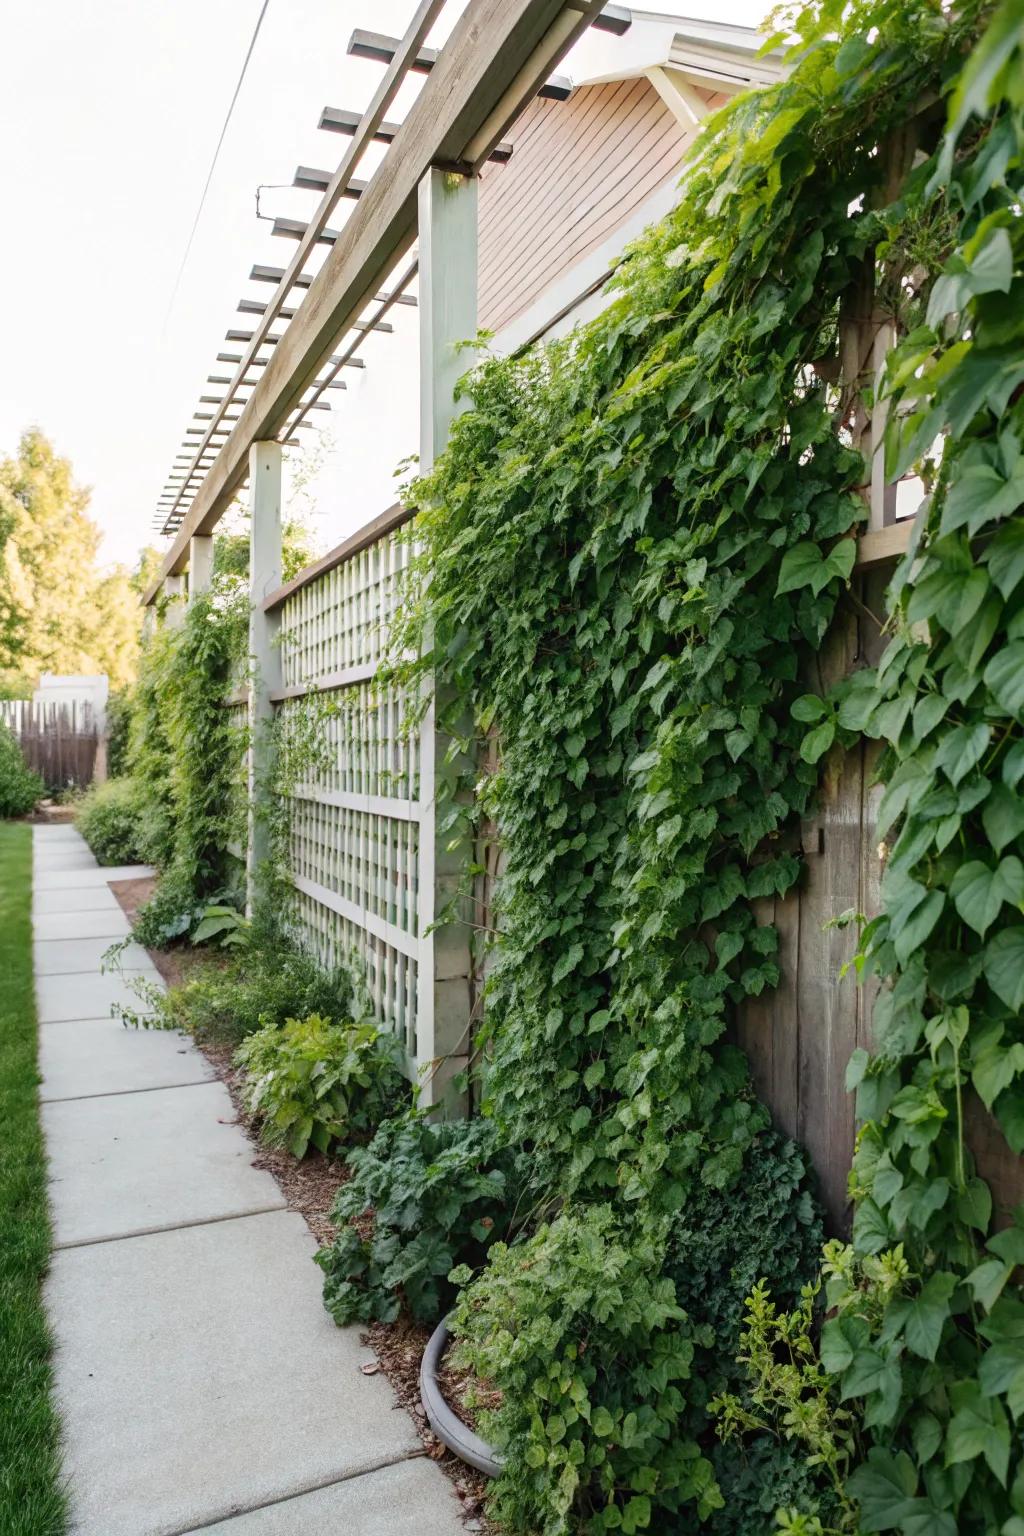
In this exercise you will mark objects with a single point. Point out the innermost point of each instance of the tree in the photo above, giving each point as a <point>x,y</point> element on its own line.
<point>58,612</point>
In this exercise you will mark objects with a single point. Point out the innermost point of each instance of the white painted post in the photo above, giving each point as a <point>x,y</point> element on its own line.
<point>264,653</point>
<point>200,564</point>
<point>448,315</point>
<point>174,592</point>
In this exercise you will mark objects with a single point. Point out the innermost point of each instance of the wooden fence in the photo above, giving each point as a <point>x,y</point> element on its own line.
<point>61,741</point>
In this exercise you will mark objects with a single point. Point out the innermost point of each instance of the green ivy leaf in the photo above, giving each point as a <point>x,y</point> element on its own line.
<point>809,707</point>
<point>1004,967</point>
<point>1004,677</point>
<point>994,1069</point>
<point>961,750</point>
<point>928,1313</point>
<point>979,891</point>
<point>870,1228</point>
<point>1005,555</point>
<point>817,742</point>
<point>884,1487</point>
<point>1003,816</point>
<point>978,1427</point>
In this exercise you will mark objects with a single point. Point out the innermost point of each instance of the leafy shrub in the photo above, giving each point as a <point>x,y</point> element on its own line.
<point>108,819</point>
<point>721,1244</point>
<point>311,1081</point>
<point>789,1394</point>
<point>767,1226</point>
<point>20,787</point>
<point>585,1340</point>
<point>265,983</point>
<point>119,722</point>
<point>760,1475</point>
<point>439,1194</point>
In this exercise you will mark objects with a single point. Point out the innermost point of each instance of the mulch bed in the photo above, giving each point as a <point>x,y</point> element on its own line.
<point>309,1186</point>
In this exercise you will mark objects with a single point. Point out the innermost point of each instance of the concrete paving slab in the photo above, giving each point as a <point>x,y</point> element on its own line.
<point>142,1162</point>
<point>89,995</point>
<point>94,898</point>
<point>99,1056</point>
<point>198,1374</point>
<point>69,861</point>
<point>409,1498</point>
<point>107,923</point>
<point>61,957</point>
<point>51,879</point>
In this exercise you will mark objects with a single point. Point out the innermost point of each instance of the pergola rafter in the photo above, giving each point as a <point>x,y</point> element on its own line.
<point>499,56</point>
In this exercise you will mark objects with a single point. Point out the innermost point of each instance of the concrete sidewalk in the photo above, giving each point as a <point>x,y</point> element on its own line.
<point>201,1384</point>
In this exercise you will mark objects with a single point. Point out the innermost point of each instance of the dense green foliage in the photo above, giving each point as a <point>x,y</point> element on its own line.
<point>20,787</point>
<point>928,1338</point>
<point>32,1499</point>
<point>185,755</point>
<point>722,1242</point>
<point>584,1338</point>
<point>787,1392</point>
<point>268,981</point>
<point>661,509</point>
<point>438,1195</point>
<point>119,725</point>
<point>108,817</point>
<point>310,1082</point>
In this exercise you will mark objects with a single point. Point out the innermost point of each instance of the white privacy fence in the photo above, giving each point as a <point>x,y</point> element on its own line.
<point>356,815</point>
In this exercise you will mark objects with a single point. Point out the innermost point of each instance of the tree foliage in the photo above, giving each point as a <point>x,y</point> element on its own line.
<point>59,612</point>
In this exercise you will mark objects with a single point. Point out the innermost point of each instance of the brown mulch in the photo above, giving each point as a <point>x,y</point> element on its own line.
<point>399,1347</point>
<point>309,1186</point>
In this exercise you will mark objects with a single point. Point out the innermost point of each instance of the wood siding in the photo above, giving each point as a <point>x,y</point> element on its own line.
<point>579,168</point>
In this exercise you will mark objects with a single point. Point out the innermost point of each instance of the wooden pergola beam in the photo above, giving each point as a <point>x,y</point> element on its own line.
<point>499,52</point>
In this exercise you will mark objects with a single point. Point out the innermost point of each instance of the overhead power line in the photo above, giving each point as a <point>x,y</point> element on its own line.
<point>216,156</point>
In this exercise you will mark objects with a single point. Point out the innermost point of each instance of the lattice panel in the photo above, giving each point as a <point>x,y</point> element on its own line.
<point>370,862</point>
<point>390,975</point>
<point>353,762</point>
<point>340,620</point>
<point>363,743</point>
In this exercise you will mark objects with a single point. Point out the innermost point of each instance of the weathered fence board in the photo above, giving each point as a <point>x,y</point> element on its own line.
<point>59,740</point>
<point>799,1038</point>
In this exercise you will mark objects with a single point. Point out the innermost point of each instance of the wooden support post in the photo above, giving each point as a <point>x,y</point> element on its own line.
<point>264,653</point>
<point>200,564</point>
<point>448,315</point>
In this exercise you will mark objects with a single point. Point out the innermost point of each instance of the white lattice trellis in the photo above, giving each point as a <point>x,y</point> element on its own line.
<point>356,817</point>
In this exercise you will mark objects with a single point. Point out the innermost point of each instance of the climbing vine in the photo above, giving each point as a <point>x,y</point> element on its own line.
<point>632,550</point>
<point>184,758</point>
<point>928,1336</point>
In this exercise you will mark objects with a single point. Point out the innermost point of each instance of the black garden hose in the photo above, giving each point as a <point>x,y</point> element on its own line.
<point>447,1426</point>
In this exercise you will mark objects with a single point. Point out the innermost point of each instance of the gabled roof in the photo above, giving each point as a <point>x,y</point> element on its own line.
<point>716,54</point>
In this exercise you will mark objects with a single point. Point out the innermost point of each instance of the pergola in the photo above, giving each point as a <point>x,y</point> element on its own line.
<point>500,55</point>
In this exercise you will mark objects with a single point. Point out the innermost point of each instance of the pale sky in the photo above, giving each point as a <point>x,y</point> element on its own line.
<point>109,114</point>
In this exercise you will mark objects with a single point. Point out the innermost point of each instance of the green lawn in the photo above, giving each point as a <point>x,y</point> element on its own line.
<point>32,1501</point>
